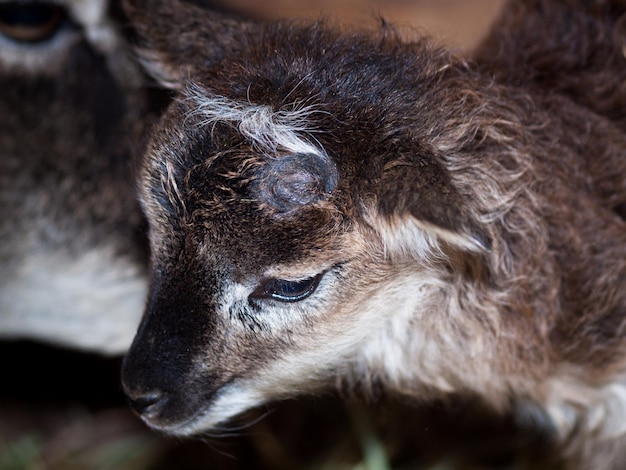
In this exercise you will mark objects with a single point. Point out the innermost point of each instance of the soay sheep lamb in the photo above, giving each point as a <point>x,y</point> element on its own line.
<point>359,210</point>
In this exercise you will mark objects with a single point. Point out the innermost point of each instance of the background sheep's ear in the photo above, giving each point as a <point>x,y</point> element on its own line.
<point>177,38</point>
<point>418,206</point>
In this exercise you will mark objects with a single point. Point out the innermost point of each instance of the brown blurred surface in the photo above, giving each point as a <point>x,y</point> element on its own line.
<point>459,23</point>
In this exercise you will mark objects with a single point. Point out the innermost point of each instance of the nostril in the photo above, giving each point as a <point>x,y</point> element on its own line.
<point>146,404</point>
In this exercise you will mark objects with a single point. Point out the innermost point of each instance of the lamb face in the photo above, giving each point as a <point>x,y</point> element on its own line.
<point>277,249</point>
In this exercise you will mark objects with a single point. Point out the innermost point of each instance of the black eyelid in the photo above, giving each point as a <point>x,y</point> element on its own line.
<point>287,291</point>
<point>31,22</point>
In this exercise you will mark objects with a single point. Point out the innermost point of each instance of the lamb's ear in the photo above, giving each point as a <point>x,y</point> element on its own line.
<point>177,38</point>
<point>417,207</point>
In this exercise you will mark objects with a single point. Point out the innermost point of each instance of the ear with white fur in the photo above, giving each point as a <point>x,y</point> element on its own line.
<point>177,38</point>
<point>417,207</point>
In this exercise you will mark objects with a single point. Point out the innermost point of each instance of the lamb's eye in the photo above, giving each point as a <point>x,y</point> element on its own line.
<point>287,291</point>
<point>30,22</point>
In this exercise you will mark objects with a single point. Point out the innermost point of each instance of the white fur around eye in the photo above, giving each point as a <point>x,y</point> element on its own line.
<point>44,57</point>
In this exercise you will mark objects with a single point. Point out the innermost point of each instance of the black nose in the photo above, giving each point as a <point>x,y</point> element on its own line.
<point>148,404</point>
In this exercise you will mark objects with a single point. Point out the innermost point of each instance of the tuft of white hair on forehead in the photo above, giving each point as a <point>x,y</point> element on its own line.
<point>267,130</point>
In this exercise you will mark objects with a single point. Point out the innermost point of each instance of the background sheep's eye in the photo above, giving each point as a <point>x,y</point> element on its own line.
<point>30,22</point>
<point>287,291</point>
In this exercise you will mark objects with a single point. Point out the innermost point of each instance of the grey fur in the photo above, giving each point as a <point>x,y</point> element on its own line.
<point>73,254</point>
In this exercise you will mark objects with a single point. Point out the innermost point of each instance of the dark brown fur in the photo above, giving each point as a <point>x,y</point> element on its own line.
<point>474,241</point>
